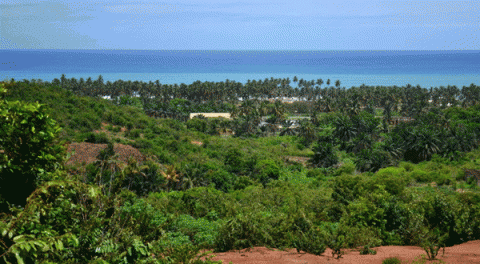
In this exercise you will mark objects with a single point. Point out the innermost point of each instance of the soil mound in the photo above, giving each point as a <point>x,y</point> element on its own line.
<point>88,152</point>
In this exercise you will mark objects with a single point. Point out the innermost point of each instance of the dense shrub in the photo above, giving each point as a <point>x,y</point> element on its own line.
<point>200,201</point>
<point>243,182</point>
<point>422,176</point>
<point>197,124</point>
<point>30,150</point>
<point>133,134</point>
<point>222,179</point>
<point>266,171</point>
<point>324,155</point>
<point>315,173</point>
<point>347,188</point>
<point>85,122</point>
<point>372,160</point>
<point>392,260</point>
<point>394,179</point>
<point>97,138</point>
<point>201,231</point>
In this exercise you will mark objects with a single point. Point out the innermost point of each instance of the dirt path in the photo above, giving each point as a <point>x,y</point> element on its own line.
<point>466,253</point>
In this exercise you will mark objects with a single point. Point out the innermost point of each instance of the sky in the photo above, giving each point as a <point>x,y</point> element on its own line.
<point>240,25</point>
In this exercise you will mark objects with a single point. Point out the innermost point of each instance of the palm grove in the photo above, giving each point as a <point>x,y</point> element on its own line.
<point>364,184</point>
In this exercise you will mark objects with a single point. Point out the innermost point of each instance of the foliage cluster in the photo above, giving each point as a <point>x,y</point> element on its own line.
<point>228,192</point>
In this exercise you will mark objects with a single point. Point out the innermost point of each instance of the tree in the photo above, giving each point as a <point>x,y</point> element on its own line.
<point>307,132</point>
<point>108,160</point>
<point>337,83</point>
<point>344,130</point>
<point>324,155</point>
<point>319,82</point>
<point>30,155</point>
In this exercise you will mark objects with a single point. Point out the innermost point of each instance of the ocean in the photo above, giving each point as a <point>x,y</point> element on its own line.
<point>352,68</point>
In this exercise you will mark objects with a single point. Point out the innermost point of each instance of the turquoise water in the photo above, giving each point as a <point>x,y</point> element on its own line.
<point>352,68</point>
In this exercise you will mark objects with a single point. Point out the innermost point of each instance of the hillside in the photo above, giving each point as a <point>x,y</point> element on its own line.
<point>194,188</point>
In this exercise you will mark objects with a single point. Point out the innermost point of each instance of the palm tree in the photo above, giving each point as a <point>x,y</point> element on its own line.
<point>108,160</point>
<point>133,170</point>
<point>324,155</point>
<point>421,144</point>
<point>337,83</point>
<point>288,130</point>
<point>171,176</point>
<point>278,111</point>
<point>344,130</point>
<point>63,80</point>
<point>307,132</point>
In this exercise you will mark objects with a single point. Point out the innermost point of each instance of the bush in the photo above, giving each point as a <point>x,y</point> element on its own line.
<point>173,240</point>
<point>324,155</point>
<point>97,138</point>
<point>391,171</point>
<point>197,124</point>
<point>310,242</point>
<point>392,260</point>
<point>253,228</point>
<point>116,129</point>
<point>222,179</point>
<point>28,138</point>
<point>266,170</point>
<point>84,123</point>
<point>173,124</point>
<point>432,241</point>
<point>129,125</point>
<point>394,183</point>
<point>366,250</point>
<point>185,253</point>
<point>347,188</point>
<point>347,168</point>
<point>114,117</point>
<point>133,134</point>
<point>408,166</point>
<point>335,238</point>
<point>372,160</point>
<point>315,173</point>
<point>199,201</point>
<point>234,160</point>
<point>444,179</point>
<point>243,182</point>
<point>422,176</point>
<point>201,231</point>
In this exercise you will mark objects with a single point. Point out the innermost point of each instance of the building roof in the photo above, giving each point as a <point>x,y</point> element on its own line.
<point>210,115</point>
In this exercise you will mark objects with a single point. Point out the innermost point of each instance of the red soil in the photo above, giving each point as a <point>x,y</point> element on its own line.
<point>465,253</point>
<point>87,152</point>
<point>196,142</point>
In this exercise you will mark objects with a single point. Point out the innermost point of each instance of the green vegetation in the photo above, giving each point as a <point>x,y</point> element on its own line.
<point>392,260</point>
<point>345,177</point>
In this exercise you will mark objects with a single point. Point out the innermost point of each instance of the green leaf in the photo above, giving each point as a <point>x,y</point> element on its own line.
<point>17,238</point>
<point>59,245</point>
<point>39,243</point>
<point>27,247</point>
<point>19,259</point>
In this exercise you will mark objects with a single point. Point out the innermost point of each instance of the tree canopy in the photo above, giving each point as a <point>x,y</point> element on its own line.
<point>30,155</point>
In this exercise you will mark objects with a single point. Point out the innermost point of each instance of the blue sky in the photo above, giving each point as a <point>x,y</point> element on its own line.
<point>240,25</point>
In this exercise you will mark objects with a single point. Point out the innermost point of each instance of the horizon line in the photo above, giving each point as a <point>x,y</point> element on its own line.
<point>263,50</point>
